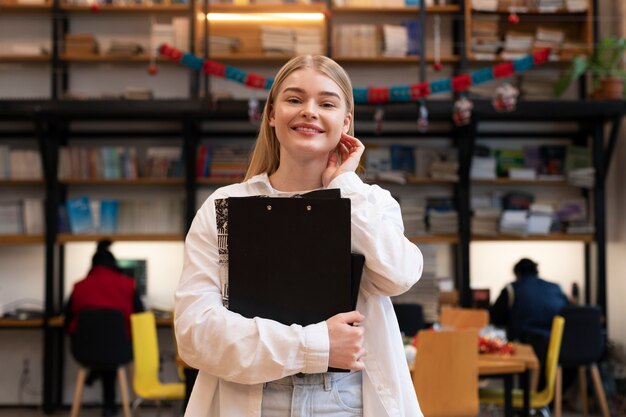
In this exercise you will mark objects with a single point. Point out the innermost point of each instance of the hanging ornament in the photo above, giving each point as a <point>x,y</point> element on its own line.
<point>152,69</point>
<point>422,120</point>
<point>513,17</point>
<point>95,7</point>
<point>379,115</point>
<point>462,113</point>
<point>437,41</point>
<point>253,110</point>
<point>505,98</point>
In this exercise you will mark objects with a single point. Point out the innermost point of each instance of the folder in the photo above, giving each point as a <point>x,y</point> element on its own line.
<point>289,259</point>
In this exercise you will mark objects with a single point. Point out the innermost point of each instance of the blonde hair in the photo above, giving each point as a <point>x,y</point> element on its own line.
<point>265,156</point>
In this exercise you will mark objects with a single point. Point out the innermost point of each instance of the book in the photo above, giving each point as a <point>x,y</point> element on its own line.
<point>79,215</point>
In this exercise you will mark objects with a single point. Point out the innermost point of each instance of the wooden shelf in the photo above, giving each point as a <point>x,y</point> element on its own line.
<point>260,57</point>
<point>24,8</point>
<point>157,8</point>
<point>278,8</point>
<point>509,181</point>
<point>58,321</point>
<point>130,182</point>
<point>553,237</point>
<point>20,324</point>
<point>146,237</point>
<point>530,10</point>
<point>142,58</point>
<point>21,239</point>
<point>402,9</point>
<point>218,180</point>
<point>19,59</point>
<point>448,239</point>
<point>452,59</point>
<point>5,182</point>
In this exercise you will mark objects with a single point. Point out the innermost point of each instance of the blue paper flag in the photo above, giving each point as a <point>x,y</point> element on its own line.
<point>235,74</point>
<point>482,76</point>
<point>400,93</point>
<point>360,95</point>
<point>441,86</point>
<point>192,61</point>
<point>524,63</point>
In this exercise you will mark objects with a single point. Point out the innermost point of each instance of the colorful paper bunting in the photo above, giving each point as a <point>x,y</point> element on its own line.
<point>413,92</point>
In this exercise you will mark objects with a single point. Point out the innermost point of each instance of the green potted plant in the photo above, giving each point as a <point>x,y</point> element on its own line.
<point>605,67</point>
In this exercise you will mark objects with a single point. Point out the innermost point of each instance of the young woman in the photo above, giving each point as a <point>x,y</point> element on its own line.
<point>259,367</point>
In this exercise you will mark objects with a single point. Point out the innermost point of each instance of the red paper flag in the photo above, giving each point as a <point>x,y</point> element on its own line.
<point>420,90</point>
<point>255,81</point>
<point>214,68</point>
<point>461,82</point>
<point>378,95</point>
<point>503,70</point>
<point>541,56</point>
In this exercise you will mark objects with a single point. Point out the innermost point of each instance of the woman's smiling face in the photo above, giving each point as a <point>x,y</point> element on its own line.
<point>309,115</point>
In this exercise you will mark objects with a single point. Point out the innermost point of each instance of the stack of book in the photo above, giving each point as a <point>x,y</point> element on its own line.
<point>80,44</point>
<point>486,5</point>
<point>485,40</point>
<point>577,5</point>
<point>549,5</point>
<point>413,214</point>
<point>514,222</point>
<point>308,41</point>
<point>125,48</point>
<point>483,167</point>
<point>549,38</point>
<point>223,44</point>
<point>517,45</point>
<point>19,163</point>
<point>357,40</point>
<point>22,217</point>
<point>540,219</point>
<point>485,221</point>
<point>277,39</point>
<point>395,40</point>
<point>442,216</point>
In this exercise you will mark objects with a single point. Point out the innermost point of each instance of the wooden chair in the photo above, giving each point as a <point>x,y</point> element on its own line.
<point>463,318</point>
<point>542,399</point>
<point>445,373</point>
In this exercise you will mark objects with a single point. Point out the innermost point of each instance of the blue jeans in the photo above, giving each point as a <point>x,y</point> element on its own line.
<point>331,394</point>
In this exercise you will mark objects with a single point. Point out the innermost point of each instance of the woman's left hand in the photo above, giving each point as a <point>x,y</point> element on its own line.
<point>350,149</point>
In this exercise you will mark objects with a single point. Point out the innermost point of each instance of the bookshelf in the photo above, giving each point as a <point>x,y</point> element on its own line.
<point>191,123</point>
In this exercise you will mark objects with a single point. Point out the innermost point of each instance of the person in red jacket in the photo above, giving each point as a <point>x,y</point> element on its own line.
<point>103,287</point>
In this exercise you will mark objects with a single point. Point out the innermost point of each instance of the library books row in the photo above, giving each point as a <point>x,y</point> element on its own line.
<point>517,213</point>
<point>434,215</point>
<point>22,217</point>
<point>84,215</point>
<point>545,6</point>
<point>548,162</point>
<point>396,162</point>
<point>120,162</point>
<point>16,163</point>
<point>372,40</point>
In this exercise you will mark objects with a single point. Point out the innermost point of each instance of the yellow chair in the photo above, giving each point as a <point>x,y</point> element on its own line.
<point>146,382</point>
<point>463,318</point>
<point>445,368</point>
<point>538,400</point>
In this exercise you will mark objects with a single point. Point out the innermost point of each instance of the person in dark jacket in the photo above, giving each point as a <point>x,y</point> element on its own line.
<point>103,287</point>
<point>526,308</point>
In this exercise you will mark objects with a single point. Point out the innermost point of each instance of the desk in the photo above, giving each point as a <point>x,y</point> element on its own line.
<point>523,361</point>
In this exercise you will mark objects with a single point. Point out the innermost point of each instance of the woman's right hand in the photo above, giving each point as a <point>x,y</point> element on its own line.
<point>346,341</point>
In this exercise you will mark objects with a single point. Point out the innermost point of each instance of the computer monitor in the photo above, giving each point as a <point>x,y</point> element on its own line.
<point>136,269</point>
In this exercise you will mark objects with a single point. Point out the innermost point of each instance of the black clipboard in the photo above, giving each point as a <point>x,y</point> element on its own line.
<point>289,259</point>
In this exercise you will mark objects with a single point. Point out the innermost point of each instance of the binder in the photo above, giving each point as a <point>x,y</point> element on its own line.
<point>289,259</point>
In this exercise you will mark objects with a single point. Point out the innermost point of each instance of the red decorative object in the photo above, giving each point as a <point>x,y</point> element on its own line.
<point>505,99</point>
<point>437,66</point>
<point>214,68</point>
<point>255,81</point>
<point>461,82</point>
<point>462,113</point>
<point>541,56</point>
<point>513,18</point>
<point>152,69</point>
<point>420,91</point>
<point>95,8</point>
<point>503,70</point>
<point>378,95</point>
<point>495,345</point>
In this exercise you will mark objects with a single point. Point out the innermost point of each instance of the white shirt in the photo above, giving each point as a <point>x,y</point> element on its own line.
<point>236,355</point>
